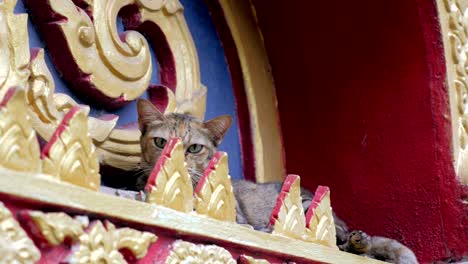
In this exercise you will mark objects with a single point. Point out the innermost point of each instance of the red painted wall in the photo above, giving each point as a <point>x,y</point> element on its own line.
<point>364,110</point>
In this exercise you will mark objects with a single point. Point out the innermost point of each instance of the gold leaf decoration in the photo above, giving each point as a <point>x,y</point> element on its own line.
<point>14,47</point>
<point>19,148</point>
<point>48,108</point>
<point>15,245</point>
<point>243,259</point>
<point>101,244</point>
<point>170,184</point>
<point>186,252</point>
<point>319,218</point>
<point>70,156</point>
<point>56,227</point>
<point>214,195</point>
<point>288,215</point>
<point>455,24</point>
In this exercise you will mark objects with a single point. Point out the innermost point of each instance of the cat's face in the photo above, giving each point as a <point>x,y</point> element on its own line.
<point>200,139</point>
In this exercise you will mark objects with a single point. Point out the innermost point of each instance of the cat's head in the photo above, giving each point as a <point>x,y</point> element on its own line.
<point>200,139</point>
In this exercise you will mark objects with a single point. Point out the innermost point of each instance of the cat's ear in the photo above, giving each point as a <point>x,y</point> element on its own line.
<point>147,113</point>
<point>218,127</point>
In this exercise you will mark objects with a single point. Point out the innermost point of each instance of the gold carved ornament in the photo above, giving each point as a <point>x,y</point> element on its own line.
<point>287,217</point>
<point>70,155</point>
<point>214,195</point>
<point>169,184</point>
<point>454,23</point>
<point>186,252</point>
<point>15,245</point>
<point>19,149</point>
<point>319,218</point>
<point>243,259</point>
<point>123,71</point>
<point>93,243</point>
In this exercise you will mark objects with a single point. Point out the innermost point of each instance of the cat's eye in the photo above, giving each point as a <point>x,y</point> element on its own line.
<point>195,148</point>
<point>160,142</point>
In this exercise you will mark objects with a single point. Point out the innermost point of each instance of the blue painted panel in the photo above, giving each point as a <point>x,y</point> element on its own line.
<point>214,75</point>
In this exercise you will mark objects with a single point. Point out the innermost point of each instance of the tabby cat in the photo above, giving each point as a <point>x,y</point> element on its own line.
<point>254,202</point>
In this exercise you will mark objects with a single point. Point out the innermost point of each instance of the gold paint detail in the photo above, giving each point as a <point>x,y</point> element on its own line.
<point>215,195</point>
<point>14,47</point>
<point>186,252</point>
<point>454,24</point>
<point>260,90</point>
<point>15,245</point>
<point>56,227</point>
<point>291,220</point>
<point>321,226</point>
<point>101,244</point>
<point>173,187</point>
<point>48,108</point>
<point>72,157</point>
<point>19,149</point>
<point>251,260</point>
<point>39,188</point>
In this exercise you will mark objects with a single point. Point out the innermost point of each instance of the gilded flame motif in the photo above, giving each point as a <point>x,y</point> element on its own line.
<point>18,142</point>
<point>186,252</point>
<point>70,155</point>
<point>169,184</point>
<point>214,196</point>
<point>15,245</point>
<point>101,244</point>
<point>454,20</point>
<point>321,226</point>
<point>56,227</point>
<point>289,219</point>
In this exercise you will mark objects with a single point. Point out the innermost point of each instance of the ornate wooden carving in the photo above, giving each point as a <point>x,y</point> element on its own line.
<point>186,252</point>
<point>452,14</point>
<point>14,49</point>
<point>70,155</point>
<point>19,149</point>
<point>214,195</point>
<point>169,183</point>
<point>287,217</point>
<point>243,259</point>
<point>101,244</point>
<point>319,219</point>
<point>15,245</point>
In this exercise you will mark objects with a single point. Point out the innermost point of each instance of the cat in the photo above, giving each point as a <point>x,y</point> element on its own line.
<point>254,201</point>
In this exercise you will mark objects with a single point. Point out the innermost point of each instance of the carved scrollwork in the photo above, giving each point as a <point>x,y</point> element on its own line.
<point>456,42</point>
<point>14,50</point>
<point>54,228</point>
<point>18,142</point>
<point>319,219</point>
<point>101,244</point>
<point>169,183</point>
<point>15,245</point>
<point>214,195</point>
<point>91,243</point>
<point>287,217</point>
<point>70,155</point>
<point>186,252</point>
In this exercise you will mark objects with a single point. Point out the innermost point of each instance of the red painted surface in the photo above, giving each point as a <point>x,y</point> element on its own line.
<point>364,110</point>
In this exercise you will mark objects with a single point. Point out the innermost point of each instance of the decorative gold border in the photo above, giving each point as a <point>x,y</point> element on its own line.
<point>260,90</point>
<point>454,27</point>
<point>40,188</point>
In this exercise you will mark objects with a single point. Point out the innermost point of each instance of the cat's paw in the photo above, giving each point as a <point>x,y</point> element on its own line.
<point>359,242</point>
